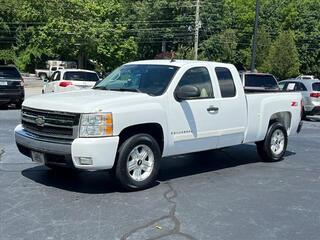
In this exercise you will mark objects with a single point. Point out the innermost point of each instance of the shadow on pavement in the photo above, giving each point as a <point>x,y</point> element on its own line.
<point>171,168</point>
<point>73,180</point>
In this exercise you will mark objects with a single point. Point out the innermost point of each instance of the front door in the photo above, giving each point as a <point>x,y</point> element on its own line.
<point>192,121</point>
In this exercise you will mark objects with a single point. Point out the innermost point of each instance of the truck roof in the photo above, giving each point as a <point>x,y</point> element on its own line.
<point>177,63</point>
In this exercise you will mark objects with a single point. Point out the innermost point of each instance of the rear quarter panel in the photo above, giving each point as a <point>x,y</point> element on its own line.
<point>261,108</point>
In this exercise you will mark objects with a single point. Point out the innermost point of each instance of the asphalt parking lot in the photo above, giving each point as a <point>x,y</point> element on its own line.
<point>222,194</point>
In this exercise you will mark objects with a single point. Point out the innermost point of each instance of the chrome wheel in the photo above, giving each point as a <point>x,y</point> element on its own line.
<point>277,142</point>
<point>140,163</point>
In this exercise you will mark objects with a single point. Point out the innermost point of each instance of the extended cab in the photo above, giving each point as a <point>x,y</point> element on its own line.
<point>147,110</point>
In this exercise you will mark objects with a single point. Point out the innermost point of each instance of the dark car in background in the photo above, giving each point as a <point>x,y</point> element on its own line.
<point>11,86</point>
<point>256,82</point>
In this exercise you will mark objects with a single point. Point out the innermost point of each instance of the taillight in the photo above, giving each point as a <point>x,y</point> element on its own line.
<point>65,84</point>
<point>315,95</point>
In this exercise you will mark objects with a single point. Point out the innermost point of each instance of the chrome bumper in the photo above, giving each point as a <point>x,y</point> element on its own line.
<point>41,144</point>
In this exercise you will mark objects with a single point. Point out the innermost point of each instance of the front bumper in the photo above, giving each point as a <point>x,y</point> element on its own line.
<point>67,153</point>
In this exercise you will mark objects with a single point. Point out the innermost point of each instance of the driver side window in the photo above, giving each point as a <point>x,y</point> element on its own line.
<point>200,78</point>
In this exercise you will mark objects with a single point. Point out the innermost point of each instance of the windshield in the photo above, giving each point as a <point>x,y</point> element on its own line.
<point>266,81</point>
<point>150,79</point>
<point>81,76</point>
<point>9,72</point>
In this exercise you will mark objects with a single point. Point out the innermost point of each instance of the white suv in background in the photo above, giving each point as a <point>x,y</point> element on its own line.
<point>65,80</point>
<point>305,77</point>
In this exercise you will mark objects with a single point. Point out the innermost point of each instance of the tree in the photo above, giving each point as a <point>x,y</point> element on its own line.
<point>263,46</point>
<point>283,58</point>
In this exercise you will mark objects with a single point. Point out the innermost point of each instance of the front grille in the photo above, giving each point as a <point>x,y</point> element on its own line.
<point>50,123</point>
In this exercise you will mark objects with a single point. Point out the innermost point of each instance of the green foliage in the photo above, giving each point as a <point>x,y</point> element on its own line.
<point>7,55</point>
<point>283,59</point>
<point>110,32</point>
<point>263,46</point>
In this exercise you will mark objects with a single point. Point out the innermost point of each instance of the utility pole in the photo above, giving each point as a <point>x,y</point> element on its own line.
<point>197,27</point>
<point>254,47</point>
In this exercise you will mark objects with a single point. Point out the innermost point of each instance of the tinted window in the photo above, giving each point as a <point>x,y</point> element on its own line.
<point>300,87</point>
<point>295,86</point>
<point>53,68</point>
<point>146,78</point>
<point>81,76</point>
<point>316,87</point>
<point>9,72</point>
<point>282,85</point>
<point>265,81</point>
<point>200,78</point>
<point>226,82</point>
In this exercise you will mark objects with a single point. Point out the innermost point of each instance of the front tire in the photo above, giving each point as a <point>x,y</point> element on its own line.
<point>274,146</point>
<point>138,161</point>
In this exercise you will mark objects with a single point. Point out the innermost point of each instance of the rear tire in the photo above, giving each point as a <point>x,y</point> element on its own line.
<point>274,146</point>
<point>138,161</point>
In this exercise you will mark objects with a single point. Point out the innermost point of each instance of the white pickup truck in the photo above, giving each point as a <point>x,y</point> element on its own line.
<point>147,110</point>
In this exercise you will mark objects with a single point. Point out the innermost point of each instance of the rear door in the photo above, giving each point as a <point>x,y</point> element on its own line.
<point>231,121</point>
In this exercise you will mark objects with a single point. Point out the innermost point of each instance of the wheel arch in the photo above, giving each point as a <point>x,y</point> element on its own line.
<point>282,117</point>
<point>153,129</point>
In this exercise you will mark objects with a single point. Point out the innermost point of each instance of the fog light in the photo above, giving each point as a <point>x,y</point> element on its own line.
<point>85,160</point>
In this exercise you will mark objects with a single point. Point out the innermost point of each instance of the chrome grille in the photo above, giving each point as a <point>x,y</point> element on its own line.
<point>50,123</point>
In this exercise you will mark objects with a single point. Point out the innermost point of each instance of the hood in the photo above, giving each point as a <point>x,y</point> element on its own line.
<point>85,101</point>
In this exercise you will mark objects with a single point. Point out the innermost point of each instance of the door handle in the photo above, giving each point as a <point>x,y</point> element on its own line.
<point>212,109</point>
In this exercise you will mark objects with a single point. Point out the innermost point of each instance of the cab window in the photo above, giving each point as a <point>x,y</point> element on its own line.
<point>200,78</point>
<point>226,82</point>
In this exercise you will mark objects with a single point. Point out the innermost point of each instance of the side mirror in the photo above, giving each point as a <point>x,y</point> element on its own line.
<point>46,80</point>
<point>187,92</point>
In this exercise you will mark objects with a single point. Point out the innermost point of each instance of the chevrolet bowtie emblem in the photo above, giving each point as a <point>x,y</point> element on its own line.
<point>40,121</point>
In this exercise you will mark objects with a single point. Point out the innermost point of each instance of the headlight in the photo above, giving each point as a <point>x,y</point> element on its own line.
<point>96,125</point>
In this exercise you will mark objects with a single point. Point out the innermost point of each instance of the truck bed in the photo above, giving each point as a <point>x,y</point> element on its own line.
<point>261,108</point>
